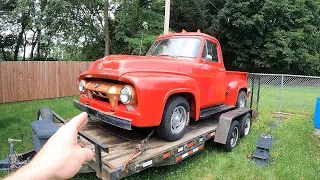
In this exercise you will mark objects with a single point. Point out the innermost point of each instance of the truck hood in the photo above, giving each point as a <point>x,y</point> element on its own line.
<point>115,66</point>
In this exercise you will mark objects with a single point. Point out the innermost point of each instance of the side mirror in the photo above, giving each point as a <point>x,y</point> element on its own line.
<point>207,58</point>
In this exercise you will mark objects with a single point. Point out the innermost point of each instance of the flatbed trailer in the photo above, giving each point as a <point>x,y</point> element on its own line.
<point>113,146</point>
<point>121,144</point>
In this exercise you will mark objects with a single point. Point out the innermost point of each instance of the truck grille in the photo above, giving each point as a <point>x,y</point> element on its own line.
<point>104,91</point>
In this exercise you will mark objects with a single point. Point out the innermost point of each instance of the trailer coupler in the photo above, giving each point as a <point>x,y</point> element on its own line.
<point>15,160</point>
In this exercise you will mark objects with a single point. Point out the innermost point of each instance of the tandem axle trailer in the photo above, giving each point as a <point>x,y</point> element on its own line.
<point>121,157</point>
<point>120,153</point>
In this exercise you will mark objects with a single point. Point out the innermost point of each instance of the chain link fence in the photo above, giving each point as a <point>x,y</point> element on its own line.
<point>284,93</point>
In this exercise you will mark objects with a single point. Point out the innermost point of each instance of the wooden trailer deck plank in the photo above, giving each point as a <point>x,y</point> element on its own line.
<point>120,149</point>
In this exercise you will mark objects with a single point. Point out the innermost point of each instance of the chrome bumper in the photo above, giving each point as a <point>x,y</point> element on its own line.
<point>108,118</point>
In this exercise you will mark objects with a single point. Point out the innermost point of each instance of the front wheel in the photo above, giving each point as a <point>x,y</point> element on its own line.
<point>175,119</point>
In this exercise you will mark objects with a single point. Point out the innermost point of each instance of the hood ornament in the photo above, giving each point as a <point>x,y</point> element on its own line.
<point>99,66</point>
<point>97,85</point>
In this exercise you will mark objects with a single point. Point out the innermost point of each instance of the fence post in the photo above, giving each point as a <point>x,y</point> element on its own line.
<point>281,93</point>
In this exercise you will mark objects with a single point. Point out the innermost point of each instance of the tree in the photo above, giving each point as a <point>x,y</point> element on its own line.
<point>190,15</point>
<point>268,35</point>
<point>131,16</point>
<point>106,27</point>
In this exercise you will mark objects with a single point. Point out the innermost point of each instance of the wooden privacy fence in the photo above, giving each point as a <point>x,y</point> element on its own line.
<point>29,80</point>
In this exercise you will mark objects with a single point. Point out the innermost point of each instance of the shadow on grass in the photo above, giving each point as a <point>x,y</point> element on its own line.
<point>6,123</point>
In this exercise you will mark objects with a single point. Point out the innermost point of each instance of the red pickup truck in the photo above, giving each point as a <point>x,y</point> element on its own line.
<point>182,77</point>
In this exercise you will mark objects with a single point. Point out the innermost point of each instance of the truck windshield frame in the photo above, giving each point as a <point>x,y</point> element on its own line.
<point>177,47</point>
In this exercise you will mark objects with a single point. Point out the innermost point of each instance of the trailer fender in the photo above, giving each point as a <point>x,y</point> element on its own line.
<point>225,122</point>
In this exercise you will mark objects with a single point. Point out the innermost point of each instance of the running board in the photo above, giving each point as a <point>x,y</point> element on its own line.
<point>207,112</point>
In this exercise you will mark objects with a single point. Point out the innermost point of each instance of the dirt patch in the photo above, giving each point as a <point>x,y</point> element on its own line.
<point>281,117</point>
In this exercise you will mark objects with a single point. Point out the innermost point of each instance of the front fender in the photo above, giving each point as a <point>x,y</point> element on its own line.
<point>153,90</point>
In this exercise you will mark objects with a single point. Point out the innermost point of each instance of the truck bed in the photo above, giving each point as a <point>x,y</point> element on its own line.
<point>120,148</point>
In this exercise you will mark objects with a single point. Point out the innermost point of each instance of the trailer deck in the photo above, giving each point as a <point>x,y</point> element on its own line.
<point>159,152</point>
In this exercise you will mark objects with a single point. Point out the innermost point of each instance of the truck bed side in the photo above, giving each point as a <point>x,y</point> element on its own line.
<point>235,81</point>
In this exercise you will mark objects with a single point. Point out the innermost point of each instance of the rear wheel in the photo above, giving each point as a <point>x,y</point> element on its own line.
<point>175,119</point>
<point>241,100</point>
<point>245,124</point>
<point>233,136</point>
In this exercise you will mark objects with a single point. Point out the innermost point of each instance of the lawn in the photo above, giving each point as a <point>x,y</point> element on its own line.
<point>295,153</point>
<point>295,99</point>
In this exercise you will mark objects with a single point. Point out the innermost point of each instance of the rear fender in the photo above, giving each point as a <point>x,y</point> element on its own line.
<point>233,89</point>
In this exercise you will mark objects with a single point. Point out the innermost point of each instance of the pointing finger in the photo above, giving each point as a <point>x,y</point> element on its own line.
<point>79,121</point>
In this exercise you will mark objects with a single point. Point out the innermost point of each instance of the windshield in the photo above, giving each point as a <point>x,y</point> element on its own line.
<point>184,47</point>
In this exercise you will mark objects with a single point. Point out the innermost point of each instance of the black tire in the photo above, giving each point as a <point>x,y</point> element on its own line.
<point>245,123</point>
<point>45,113</point>
<point>233,137</point>
<point>166,129</point>
<point>242,99</point>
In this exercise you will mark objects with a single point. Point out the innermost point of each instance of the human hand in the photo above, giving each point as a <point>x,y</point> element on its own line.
<point>61,157</point>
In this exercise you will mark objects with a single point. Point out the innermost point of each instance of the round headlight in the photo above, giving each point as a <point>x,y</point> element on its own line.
<point>125,95</point>
<point>82,84</point>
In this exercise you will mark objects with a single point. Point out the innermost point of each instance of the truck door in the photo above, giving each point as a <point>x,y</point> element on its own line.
<point>213,76</point>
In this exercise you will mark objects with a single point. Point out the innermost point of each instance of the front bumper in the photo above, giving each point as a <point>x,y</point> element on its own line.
<point>108,118</point>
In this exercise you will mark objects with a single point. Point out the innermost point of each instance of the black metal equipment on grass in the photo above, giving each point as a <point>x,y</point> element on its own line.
<point>261,155</point>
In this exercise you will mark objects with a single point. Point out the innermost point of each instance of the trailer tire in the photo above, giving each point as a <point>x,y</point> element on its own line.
<point>245,124</point>
<point>233,136</point>
<point>175,119</point>
<point>45,113</point>
<point>242,99</point>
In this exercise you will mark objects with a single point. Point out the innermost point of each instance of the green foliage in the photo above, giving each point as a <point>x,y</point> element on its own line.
<point>256,35</point>
<point>279,35</point>
<point>189,15</point>
<point>131,15</point>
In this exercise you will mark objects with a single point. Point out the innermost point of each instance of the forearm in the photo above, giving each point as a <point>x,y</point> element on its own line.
<point>32,170</point>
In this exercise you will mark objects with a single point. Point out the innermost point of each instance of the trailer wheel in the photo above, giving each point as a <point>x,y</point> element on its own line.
<point>245,124</point>
<point>45,113</point>
<point>175,119</point>
<point>241,100</point>
<point>233,136</point>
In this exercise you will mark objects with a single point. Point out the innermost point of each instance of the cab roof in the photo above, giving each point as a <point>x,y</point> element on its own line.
<point>185,34</point>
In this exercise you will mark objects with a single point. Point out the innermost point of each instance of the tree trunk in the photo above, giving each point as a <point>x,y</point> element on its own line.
<point>106,28</point>
<point>24,46</point>
<point>4,54</point>
<point>33,44</point>
<point>38,43</point>
<point>19,41</point>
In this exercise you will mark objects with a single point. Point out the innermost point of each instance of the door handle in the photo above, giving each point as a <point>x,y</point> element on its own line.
<point>222,70</point>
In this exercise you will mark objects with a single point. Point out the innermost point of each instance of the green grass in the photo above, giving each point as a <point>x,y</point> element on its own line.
<point>295,153</point>
<point>296,99</point>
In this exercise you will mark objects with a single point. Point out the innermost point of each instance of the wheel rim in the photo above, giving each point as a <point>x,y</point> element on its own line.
<point>247,126</point>
<point>234,137</point>
<point>178,119</point>
<point>242,102</point>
